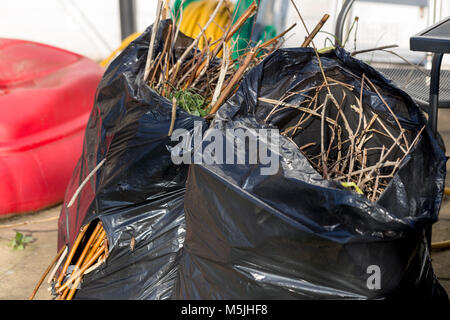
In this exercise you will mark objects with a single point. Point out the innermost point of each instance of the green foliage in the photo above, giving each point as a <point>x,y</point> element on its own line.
<point>190,101</point>
<point>20,241</point>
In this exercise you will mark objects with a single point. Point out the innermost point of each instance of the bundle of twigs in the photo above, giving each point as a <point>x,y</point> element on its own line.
<point>88,252</point>
<point>195,80</point>
<point>344,139</point>
<point>198,80</point>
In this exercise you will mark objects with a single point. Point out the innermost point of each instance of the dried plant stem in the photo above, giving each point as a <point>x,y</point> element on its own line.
<point>89,176</point>
<point>315,31</point>
<point>7,226</point>
<point>322,136</point>
<point>71,254</point>
<point>78,273</point>
<point>223,72</point>
<point>379,165</point>
<point>196,40</point>
<point>58,255</point>
<point>71,292</point>
<point>373,49</point>
<point>174,115</point>
<point>277,38</point>
<point>237,77</point>
<point>61,259</point>
<point>155,27</point>
<point>402,131</point>
<point>227,36</point>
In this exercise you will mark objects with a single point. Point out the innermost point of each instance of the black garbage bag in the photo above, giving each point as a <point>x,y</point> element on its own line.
<point>292,234</point>
<point>138,192</point>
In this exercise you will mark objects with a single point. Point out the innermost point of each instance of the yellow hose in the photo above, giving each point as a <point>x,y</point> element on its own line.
<point>440,245</point>
<point>198,13</point>
<point>447,191</point>
<point>122,46</point>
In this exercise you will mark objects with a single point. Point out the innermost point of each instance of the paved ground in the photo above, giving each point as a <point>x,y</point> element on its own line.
<point>21,270</point>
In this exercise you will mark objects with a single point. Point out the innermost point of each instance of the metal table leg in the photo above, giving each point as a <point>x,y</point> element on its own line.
<point>433,110</point>
<point>434,91</point>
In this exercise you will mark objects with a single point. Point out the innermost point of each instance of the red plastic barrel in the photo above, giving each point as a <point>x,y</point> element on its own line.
<point>46,95</point>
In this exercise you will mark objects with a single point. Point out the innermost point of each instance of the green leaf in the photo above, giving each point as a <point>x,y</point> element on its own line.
<point>19,237</point>
<point>19,241</point>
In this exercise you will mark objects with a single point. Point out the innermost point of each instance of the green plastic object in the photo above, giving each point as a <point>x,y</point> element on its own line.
<point>242,37</point>
<point>269,32</point>
<point>177,4</point>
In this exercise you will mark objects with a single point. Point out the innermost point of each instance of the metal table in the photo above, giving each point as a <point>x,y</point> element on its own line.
<point>434,39</point>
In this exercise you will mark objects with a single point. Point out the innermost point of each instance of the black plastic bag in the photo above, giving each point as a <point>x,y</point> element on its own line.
<point>248,236</point>
<point>138,192</point>
<point>293,234</point>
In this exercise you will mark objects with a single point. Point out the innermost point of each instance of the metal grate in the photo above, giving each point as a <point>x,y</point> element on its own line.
<point>416,83</point>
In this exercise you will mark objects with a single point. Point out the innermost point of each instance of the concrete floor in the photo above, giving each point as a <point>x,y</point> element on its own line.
<point>21,270</point>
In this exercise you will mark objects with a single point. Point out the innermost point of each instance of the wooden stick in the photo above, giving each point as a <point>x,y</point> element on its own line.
<point>80,272</point>
<point>273,40</point>
<point>75,195</point>
<point>195,65</point>
<point>100,261</point>
<point>322,137</point>
<point>315,31</point>
<point>64,294</point>
<point>177,29</point>
<point>306,145</point>
<point>382,158</point>
<point>6,226</point>
<point>231,31</point>
<point>97,243</point>
<point>73,289</point>
<point>196,40</point>
<point>389,108</point>
<point>58,255</point>
<point>161,55</point>
<point>61,259</point>
<point>71,254</point>
<point>223,72</point>
<point>236,78</point>
<point>373,49</point>
<point>174,115</point>
<point>301,19</point>
<point>390,134</point>
<point>97,229</point>
<point>155,27</point>
<point>368,169</point>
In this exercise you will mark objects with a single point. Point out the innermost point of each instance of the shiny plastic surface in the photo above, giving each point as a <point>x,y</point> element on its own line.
<point>46,95</point>
<point>138,192</point>
<point>292,235</point>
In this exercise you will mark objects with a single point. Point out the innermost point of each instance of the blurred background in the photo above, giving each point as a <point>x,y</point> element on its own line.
<point>92,28</point>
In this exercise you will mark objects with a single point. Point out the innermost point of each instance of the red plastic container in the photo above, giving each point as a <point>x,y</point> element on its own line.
<point>46,95</point>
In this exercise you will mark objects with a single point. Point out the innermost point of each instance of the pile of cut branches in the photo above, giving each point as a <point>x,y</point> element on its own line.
<point>343,138</point>
<point>88,252</point>
<point>197,79</point>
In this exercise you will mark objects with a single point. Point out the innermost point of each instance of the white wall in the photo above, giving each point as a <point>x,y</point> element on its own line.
<point>91,27</point>
<point>88,27</point>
